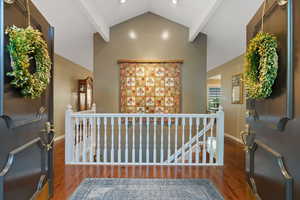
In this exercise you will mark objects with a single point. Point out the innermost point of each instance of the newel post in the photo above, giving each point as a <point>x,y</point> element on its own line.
<point>69,137</point>
<point>220,136</point>
<point>94,108</point>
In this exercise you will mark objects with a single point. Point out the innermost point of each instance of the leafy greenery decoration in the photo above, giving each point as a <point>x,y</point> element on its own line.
<point>261,66</point>
<point>24,45</point>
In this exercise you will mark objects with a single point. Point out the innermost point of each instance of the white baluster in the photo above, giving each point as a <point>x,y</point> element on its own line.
<point>197,140</point>
<point>105,140</point>
<point>211,147</point>
<point>119,140</point>
<point>141,135</point>
<point>148,129</point>
<point>204,141</point>
<point>183,140</point>
<point>126,140</point>
<point>162,140</point>
<point>190,139</point>
<point>220,136</point>
<point>169,137</point>
<point>88,134</point>
<point>154,139</point>
<point>133,139</point>
<point>69,131</point>
<point>112,153</point>
<point>98,139</point>
<point>81,138</point>
<point>77,156</point>
<point>73,127</point>
<point>176,138</point>
<point>84,140</point>
<point>91,140</point>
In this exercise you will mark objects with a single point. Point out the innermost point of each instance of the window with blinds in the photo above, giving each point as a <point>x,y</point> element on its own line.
<point>213,98</point>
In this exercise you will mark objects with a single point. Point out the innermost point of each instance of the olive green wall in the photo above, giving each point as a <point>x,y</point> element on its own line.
<point>149,45</point>
<point>234,113</point>
<point>66,76</point>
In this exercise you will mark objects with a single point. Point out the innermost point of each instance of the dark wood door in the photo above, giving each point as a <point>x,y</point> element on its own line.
<point>273,160</point>
<point>25,163</point>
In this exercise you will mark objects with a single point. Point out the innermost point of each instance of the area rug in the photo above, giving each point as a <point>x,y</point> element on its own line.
<point>146,189</point>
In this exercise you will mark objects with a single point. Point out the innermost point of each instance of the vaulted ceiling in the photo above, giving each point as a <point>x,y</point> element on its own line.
<point>75,21</point>
<point>191,13</point>
<point>226,30</point>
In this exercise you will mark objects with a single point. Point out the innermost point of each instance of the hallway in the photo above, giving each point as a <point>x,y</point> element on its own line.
<point>230,179</point>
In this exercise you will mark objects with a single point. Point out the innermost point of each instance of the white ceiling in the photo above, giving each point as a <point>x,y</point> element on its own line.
<point>226,30</point>
<point>75,21</point>
<point>191,13</point>
<point>73,37</point>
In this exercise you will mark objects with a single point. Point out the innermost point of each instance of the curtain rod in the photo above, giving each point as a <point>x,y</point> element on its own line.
<point>150,61</point>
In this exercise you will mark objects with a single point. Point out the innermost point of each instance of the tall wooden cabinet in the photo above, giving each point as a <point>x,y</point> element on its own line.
<point>85,94</point>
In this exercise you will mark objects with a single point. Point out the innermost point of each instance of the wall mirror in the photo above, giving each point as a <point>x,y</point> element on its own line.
<point>237,89</point>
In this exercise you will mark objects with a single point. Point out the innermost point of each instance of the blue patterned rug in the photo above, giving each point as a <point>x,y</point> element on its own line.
<point>146,189</point>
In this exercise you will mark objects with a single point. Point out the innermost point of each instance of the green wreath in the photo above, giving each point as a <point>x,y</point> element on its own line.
<point>23,46</point>
<point>261,66</point>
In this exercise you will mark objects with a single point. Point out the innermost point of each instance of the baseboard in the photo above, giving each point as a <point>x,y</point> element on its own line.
<point>56,139</point>
<point>234,138</point>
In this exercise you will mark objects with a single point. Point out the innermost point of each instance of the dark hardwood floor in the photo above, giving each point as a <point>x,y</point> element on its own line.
<point>230,179</point>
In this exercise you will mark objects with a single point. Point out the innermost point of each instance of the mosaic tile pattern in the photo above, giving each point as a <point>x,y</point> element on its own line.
<point>150,87</point>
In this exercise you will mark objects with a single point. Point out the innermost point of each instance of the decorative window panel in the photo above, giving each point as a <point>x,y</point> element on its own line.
<point>150,87</point>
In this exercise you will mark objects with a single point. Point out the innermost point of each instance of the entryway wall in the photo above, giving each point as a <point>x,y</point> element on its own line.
<point>234,113</point>
<point>150,37</point>
<point>66,76</point>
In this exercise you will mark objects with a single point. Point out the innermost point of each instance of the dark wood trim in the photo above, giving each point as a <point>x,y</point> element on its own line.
<point>181,61</point>
<point>42,193</point>
<point>11,159</point>
<point>1,56</point>
<point>290,60</point>
<point>289,181</point>
<point>39,187</point>
<point>21,5</point>
<point>10,162</point>
<point>51,135</point>
<point>254,27</point>
<point>50,172</point>
<point>85,82</point>
<point>51,86</point>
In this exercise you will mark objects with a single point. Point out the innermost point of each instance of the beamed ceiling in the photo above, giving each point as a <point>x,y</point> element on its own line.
<point>75,21</point>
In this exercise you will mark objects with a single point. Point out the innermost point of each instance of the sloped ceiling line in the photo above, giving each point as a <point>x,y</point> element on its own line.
<point>103,27</point>
<point>203,19</point>
<point>96,20</point>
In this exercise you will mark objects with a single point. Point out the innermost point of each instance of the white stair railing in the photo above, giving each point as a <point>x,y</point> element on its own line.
<point>189,147</point>
<point>144,139</point>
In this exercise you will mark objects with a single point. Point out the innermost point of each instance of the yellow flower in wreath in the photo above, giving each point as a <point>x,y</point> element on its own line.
<point>23,46</point>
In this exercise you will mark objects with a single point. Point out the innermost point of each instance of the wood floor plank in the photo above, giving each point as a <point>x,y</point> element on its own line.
<point>230,179</point>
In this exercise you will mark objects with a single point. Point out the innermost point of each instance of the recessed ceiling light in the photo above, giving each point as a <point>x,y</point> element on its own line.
<point>132,35</point>
<point>165,35</point>
<point>175,2</point>
<point>123,1</point>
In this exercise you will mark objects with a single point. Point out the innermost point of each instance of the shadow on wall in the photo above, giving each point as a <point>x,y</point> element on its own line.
<point>234,113</point>
<point>66,76</point>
